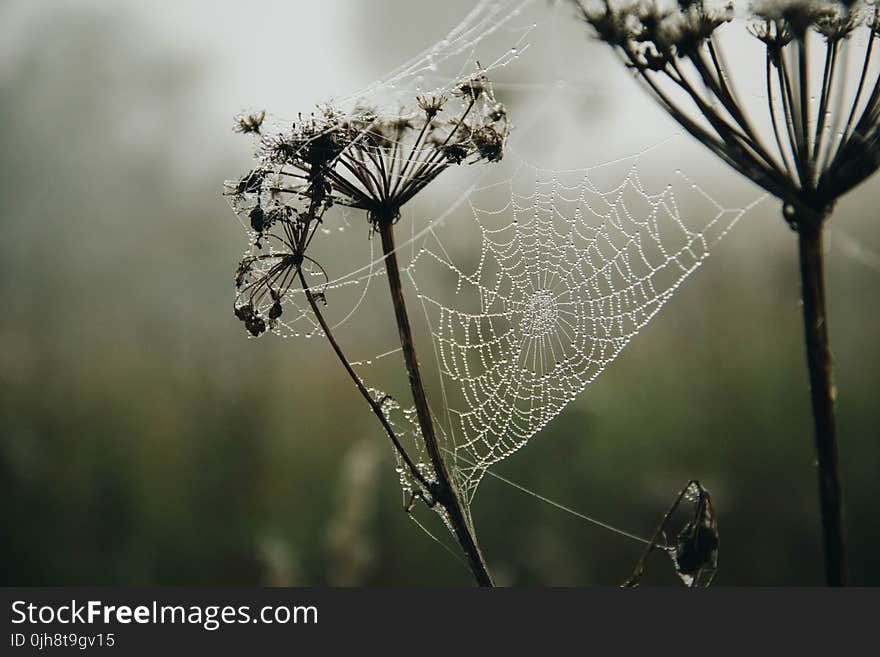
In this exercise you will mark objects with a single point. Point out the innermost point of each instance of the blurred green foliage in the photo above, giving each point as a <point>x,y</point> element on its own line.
<point>144,440</point>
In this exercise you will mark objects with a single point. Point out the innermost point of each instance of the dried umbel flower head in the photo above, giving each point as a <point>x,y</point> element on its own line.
<point>809,156</point>
<point>822,138</point>
<point>378,161</point>
<point>263,279</point>
<point>363,159</point>
<point>283,211</point>
<point>431,104</point>
<point>249,123</point>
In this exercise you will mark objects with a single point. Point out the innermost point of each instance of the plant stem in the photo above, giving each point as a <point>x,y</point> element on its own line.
<point>443,490</point>
<point>822,395</point>
<point>377,409</point>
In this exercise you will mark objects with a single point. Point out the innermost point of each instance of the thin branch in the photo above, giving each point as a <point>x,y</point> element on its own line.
<point>827,82</point>
<point>374,405</point>
<point>783,152</point>
<point>804,86</point>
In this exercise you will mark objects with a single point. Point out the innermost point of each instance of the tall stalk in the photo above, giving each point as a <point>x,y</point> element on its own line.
<point>822,395</point>
<point>443,490</point>
<point>815,162</point>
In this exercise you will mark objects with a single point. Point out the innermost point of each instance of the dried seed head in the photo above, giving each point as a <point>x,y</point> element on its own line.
<point>774,35</point>
<point>655,31</point>
<point>610,25</point>
<point>251,319</point>
<point>244,312</point>
<point>473,87</point>
<point>316,140</point>
<point>249,123</point>
<point>431,104</point>
<point>797,15</point>
<point>257,217</point>
<point>240,272</point>
<point>255,325</point>
<point>377,161</point>
<point>837,23</point>
<point>364,159</point>
<point>810,158</point>
<point>456,153</point>
<point>489,143</point>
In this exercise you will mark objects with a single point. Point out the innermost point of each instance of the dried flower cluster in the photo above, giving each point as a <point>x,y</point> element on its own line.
<point>376,163</point>
<point>817,154</point>
<point>360,159</point>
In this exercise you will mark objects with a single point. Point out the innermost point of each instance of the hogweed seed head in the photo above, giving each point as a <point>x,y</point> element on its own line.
<point>809,157</point>
<point>364,159</point>
<point>249,123</point>
<point>473,87</point>
<point>489,143</point>
<point>432,104</point>
<point>377,162</point>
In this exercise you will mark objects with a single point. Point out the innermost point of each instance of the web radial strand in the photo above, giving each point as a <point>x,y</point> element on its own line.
<point>567,274</point>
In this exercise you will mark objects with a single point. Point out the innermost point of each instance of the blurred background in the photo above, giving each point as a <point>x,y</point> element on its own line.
<point>144,440</point>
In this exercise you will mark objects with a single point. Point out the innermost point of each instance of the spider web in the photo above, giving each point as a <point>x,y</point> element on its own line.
<point>530,282</point>
<point>568,274</point>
